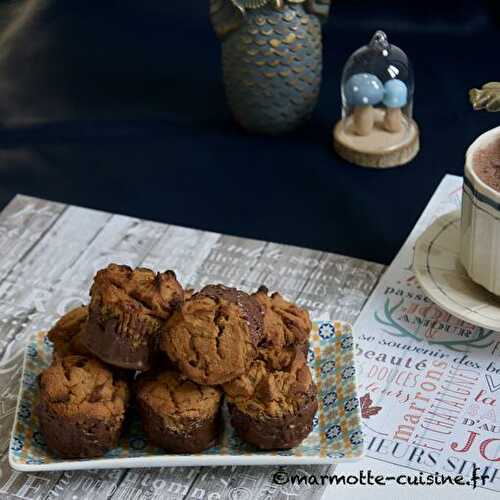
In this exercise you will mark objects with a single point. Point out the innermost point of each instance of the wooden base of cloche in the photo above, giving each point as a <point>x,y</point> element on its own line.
<point>381,149</point>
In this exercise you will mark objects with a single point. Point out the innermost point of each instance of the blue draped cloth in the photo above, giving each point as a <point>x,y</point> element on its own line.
<point>120,106</point>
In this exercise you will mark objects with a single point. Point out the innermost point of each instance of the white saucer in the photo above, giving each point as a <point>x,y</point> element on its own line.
<point>443,278</point>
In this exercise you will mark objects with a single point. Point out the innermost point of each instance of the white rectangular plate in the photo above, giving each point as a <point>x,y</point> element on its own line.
<point>336,437</point>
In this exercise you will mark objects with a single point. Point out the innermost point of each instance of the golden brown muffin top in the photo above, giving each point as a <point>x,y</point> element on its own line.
<point>84,387</point>
<point>177,400</point>
<point>280,358</point>
<point>65,333</point>
<point>285,324</point>
<point>212,339</point>
<point>264,393</point>
<point>119,291</point>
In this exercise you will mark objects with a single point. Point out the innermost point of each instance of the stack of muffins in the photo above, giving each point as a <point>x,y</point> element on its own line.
<point>181,354</point>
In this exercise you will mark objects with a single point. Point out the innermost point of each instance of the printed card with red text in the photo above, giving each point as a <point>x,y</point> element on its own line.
<point>429,383</point>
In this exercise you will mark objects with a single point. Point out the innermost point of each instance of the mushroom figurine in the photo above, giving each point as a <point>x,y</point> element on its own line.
<point>395,98</point>
<point>362,92</point>
<point>376,128</point>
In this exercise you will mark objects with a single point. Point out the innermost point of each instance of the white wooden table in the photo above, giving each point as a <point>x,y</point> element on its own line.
<point>49,253</point>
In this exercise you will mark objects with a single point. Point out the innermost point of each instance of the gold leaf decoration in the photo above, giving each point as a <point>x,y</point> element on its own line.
<point>488,97</point>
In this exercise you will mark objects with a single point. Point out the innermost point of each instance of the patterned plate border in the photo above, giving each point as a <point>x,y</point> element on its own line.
<point>337,435</point>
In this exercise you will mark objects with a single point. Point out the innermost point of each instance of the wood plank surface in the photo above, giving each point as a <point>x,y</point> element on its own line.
<point>49,253</point>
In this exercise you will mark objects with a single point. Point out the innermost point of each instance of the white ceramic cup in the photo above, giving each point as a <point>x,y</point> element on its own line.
<point>480,226</point>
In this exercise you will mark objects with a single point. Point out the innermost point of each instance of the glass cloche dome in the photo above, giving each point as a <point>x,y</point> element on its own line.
<point>377,127</point>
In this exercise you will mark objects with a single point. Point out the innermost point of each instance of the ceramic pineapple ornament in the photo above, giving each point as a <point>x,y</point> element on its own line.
<point>272,59</point>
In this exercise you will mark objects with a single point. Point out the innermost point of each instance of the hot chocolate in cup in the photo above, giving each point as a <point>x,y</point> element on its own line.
<point>486,164</point>
<point>480,226</point>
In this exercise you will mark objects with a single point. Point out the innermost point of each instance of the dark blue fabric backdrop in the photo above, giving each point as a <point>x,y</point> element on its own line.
<point>119,105</point>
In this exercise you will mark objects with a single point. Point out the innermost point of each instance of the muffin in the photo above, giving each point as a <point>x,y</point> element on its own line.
<point>66,333</point>
<point>81,407</point>
<point>286,329</point>
<point>213,337</point>
<point>273,409</point>
<point>177,414</point>
<point>127,309</point>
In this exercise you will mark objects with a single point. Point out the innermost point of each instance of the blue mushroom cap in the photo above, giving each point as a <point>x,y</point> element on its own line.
<point>363,89</point>
<point>396,94</point>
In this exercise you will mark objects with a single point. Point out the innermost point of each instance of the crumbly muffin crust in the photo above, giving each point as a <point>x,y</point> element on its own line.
<point>81,407</point>
<point>178,414</point>
<point>127,309</point>
<point>179,399</point>
<point>275,433</point>
<point>280,358</point>
<point>273,409</point>
<point>213,338</point>
<point>66,333</point>
<point>122,292</point>
<point>286,329</point>
<point>285,323</point>
<point>251,309</point>
<point>263,393</point>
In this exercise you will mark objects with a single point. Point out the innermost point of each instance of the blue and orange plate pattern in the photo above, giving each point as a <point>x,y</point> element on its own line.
<point>337,435</point>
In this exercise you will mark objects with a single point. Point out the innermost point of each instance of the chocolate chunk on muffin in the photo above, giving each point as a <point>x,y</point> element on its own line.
<point>81,407</point>
<point>273,409</point>
<point>286,329</point>
<point>128,307</point>
<point>177,414</point>
<point>213,338</point>
<point>66,333</point>
<point>252,310</point>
